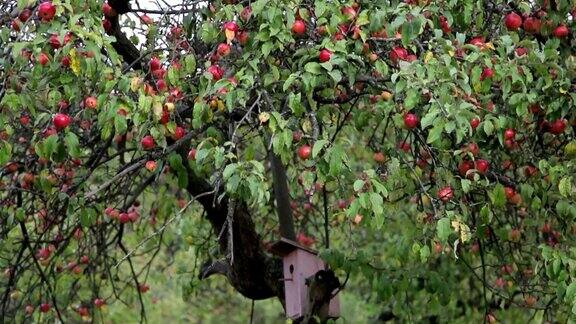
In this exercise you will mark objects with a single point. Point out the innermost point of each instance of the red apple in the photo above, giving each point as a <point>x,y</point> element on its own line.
<point>464,167</point>
<point>231,26</point>
<point>398,53</point>
<point>143,288</point>
<point>509,192</point>
<point>558,126</point>
<point>176,32</point>
<point>379,157</point>
<point>83,311</point>
<point>513,21</point>
<point>482,166</point>
<point>561,31</point>
<point>16,24</point>
<point>61,121</point>
<point>192,154</point>
<point>124,218</point>
<point>304,152</point>
<point>151,165</point>
<point>245,14</point>
<point>243,37</point>
<point>216,71</point>
<point>487,73</point>
<point>474,123</point>
<point>54,41</point>
<point>148,142</point>
<point>161,85</point>
<point>324,55</point>
<point>521,51</point>
<point>532,25</point>
<point>179,132</point>
<point>46,11</point>
<point>99,302</point>
<point>223,49</point>
<point>107,25</point>
<point>477,41</point>
<point>155,64</point>
<point>446,194</point>
<point>45,307</point>
<point>299,27</point>
<point>108,11</point>
<point>65,61</point>
<point>43,59</point>
<point>91,102</point>
<point>24,120</point>
<point>411,120</point>
<point>444,25</point>
<point>473,149</point>
<point>349,12</point>
<point>509,134</point>
<point>25,15</point>
<point>146,19</point>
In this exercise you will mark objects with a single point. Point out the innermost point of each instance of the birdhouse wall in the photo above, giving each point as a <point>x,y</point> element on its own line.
<point>299,265</point>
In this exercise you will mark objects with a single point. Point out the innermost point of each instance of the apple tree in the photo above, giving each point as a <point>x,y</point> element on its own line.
<point>425,147</point>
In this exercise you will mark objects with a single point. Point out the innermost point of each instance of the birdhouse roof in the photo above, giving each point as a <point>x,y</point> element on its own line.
<point>284,246</point>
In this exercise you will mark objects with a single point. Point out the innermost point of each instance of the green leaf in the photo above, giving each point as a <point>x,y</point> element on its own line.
<point>336,75</point>
<point>50,145</point>
<point>318,146</point>
<point>258,6</point>
<point>443,229</point>
<point>377,203</point>
<point>120,124</point>
<point>435,132</point>
<point>571,291</point>
<point>290,80</point>
<point>424,253</point>
<point>73,144</point>
<point>498,196</point>
<point>407,33</point>
<point>229,170</point>
<point>358,185</point>
<point>565,187</point>
<point>382,68</point>
<point>488,127</point>
<point>5,152</point>
<point>465,185</point>
<point>267,48</point>
<point>87,217</point>
<point>429,118</point>
<point>412,98</point>
<point>313,67</point>
<point>190,64</point>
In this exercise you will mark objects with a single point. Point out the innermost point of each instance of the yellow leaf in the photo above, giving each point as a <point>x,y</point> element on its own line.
<point>135,84</point>
<point>489,45</point>
<point>264,117</point>
<point>451,53</point>
<point>456,225</point>
<point>563,91</point>
<point>74,62</point>
<point>221,106</point>
<point>477,86</point>
<point>307,126</point>
<point>229,35</point>
<point>462,229</point>
<point>465,233</point>
<point>428,57</point>
<point>157,108</point>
